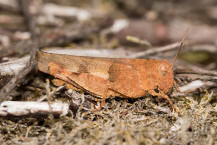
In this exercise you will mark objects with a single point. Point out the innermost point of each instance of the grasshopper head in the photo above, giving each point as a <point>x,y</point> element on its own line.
<point>165,76</point>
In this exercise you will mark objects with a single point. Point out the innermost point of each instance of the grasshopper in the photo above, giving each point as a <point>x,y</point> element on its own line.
<point>106,77</point>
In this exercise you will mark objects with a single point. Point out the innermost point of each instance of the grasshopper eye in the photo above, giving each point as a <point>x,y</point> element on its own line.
<point>157,90</point>
<point>163,70</point>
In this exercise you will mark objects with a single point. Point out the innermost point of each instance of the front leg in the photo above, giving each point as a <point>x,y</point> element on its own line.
<point>176,86</point>
<point>161,94</point>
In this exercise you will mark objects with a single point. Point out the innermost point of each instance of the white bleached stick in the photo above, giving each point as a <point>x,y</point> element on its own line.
<point>66,11</point>
<point>195,85</point>
<point>13,67</point>
<point>20,108</point>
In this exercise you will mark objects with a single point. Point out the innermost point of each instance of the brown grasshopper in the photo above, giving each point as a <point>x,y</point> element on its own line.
<point>106,77</point>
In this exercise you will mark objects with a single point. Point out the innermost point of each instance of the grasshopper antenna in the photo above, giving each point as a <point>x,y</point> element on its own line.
<point>181,45</point>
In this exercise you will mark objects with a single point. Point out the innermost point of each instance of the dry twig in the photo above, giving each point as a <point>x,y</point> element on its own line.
<point>192,86</point>
<point>19,108</point>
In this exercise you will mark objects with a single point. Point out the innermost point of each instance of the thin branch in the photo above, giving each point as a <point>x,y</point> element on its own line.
<point>192,69</point>
<point>155,50</point>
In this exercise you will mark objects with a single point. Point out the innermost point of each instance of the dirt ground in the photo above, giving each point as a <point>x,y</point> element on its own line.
<point>144,121</point>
